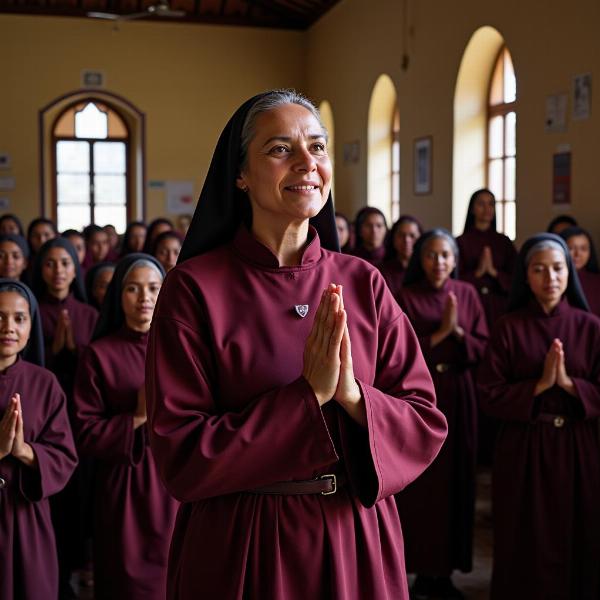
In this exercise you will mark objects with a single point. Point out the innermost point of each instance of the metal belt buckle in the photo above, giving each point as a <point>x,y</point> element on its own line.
<point>333,479</point>
<point>558,421</point>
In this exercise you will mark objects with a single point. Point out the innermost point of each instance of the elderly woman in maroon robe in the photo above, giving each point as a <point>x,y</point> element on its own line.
<point>37,454</point>
<point>371,232</point>
<point>541,377</point>
<point>487,257</point>
<point>399,248</point>
<point>284,442</point>
<point>67,323</point>
<point>437,510</point>
<point>134,519</point>
<point>585,260</point>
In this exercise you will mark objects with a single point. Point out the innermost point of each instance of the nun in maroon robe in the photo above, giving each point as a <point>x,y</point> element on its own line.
<point>583,252</point>
<point>541,377</point>
<point>71,509</point>
<point>28,562</point>
<point>487,258</point>
<point>371,232</point>
<point>284,494</point>
<point>398,250</point>
<point>437,510</point>
<point>133,513</point>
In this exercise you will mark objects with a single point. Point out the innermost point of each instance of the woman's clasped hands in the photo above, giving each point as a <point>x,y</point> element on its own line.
<point>328,356</point>
<point>12,441</point>
<point>555,372</point>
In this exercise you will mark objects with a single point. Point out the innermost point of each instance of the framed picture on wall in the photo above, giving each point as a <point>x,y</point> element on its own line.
<point>423,175</point>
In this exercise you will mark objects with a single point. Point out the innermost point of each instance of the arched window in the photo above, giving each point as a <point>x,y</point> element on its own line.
<point>395,157</point>
<point>90,143</point>
<point>501,146</point>
<point>382,147</point>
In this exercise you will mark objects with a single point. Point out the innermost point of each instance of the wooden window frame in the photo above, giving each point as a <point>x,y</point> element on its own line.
<point>501,110</point>
<point>395,168</point>
<point>128,158</point>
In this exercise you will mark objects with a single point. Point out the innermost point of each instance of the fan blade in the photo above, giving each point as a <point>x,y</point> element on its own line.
<point>101,15</point>
<point>170,13</point>
<point>140,15</point>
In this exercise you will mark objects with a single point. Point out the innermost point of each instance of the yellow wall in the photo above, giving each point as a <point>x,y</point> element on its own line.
<point>550,43</point>
<point>187,79</point>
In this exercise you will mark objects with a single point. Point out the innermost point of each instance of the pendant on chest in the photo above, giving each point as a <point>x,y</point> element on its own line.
<point>301,310</point>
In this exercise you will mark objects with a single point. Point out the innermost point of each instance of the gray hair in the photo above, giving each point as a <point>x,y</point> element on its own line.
<point>141,263</point>
<point>543,245</point>
<point>440,233</point>
<point>268,102</point>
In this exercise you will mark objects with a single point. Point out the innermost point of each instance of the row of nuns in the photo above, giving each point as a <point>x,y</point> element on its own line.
<point>75,454</point>
<point>78,484</point>
<point>538,396</point>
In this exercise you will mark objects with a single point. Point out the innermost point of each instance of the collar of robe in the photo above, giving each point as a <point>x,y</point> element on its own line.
<point>13,370</point>
<point>249,249</point>
<point>48,298</point>
<point>132,335</point>
<point>560,309</point>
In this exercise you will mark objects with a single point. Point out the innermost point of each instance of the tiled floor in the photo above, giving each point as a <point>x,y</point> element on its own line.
<point>474,585</point>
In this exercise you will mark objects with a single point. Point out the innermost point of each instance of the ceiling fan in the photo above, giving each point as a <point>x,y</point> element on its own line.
<point>160,9</point>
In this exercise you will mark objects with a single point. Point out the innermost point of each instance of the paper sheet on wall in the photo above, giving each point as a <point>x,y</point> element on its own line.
<point>180,197</point>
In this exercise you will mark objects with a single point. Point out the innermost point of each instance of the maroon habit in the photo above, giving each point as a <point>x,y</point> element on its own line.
<point>546,476</point>
<point>133,513</point>
<point>71,507</point>
<point>493,291</point>
<point>437,510</point>
<point>590,282</point>
<point>229,412</point>
<point>375,257</point>
<point>393,272</point>
<point>28,563</point>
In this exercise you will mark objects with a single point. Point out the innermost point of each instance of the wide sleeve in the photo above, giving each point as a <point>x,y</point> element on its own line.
<point>500,394</point>
<point>100,432</point>
<point>588,384</point>
<point>201,449</point>
<point>53,447</point>
<point>405,430</point>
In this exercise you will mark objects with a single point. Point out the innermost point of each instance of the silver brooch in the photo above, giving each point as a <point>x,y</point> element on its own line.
<point>301,309</point>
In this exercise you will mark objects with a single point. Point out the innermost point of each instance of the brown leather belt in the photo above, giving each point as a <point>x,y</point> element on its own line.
<point>324,484</point>
<point>557,420</point>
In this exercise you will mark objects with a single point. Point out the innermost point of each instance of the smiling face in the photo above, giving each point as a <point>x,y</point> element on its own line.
<point>548,277</point>
<point>438,260</point>
<point>287,172</point>
<point>15,326</point>
<point>579,248</point>
<point>12,261</point>
<point>140,291</point>
<point>58,272</point>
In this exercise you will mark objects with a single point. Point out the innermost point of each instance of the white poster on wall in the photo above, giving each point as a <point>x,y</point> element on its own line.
<point>556,113</point>
<point>180,197</point>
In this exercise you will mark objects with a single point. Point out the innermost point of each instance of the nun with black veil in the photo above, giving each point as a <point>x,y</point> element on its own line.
<point>284,442</point>
<point>37,453</point>
<point>133,513</point>
<point>440,506</point>
<point>541,378</point>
